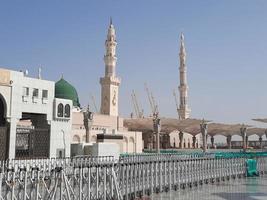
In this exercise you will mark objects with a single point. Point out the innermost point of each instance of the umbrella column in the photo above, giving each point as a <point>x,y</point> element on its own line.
<point>229,140</point>
<point>157,129</point>
<point>260,140</point>
<point>204,131</point>
<point>212,142</point>
<point>181,138</point>
<point>243,131</point>
<point>194,139</point>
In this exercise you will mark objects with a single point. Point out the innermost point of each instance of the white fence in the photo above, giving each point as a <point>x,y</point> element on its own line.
<point>104,178</point>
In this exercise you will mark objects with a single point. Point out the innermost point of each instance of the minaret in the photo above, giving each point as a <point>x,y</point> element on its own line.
<point>110,83</point>
<point>184,110</point>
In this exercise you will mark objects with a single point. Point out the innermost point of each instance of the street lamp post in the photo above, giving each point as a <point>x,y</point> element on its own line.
<point>87,120</point>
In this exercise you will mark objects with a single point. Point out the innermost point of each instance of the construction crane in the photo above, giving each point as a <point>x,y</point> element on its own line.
<point>138,112</point>
<point>134,105</point>
<point>94,103</point>
<point>176,102</point>
<point>152,102</point>
<point>156,118</point>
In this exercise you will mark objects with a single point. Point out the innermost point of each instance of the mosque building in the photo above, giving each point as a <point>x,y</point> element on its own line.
<point>41,118</point>
<point>108,121</point>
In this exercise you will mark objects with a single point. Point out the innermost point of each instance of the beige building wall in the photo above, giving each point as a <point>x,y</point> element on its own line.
<point>100,122</point>
<point>132,141</point>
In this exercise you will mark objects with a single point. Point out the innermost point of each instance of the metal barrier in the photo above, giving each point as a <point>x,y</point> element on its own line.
<point>79,178</point>
<point>144,175</point>
<point>105,178</point>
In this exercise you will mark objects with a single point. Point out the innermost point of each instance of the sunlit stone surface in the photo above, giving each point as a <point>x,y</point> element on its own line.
<point>239,189</point>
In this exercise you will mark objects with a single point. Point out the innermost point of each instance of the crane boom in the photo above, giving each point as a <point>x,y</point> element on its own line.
<point>155,106</point>
<point>134,105</point>
<point>139,113</point>
<point>151,99</point>
<point>94,103</point>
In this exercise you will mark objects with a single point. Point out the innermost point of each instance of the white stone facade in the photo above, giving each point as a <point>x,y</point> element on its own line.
<point>31,97</point>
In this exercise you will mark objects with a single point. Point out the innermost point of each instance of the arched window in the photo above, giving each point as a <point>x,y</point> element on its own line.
<point>67,110</point>
<point>76,139</point>
<point>84,138</point>
<point>125,145</point>
<point>93,138</point>
<point>60,109</point>
<point>2,113</point>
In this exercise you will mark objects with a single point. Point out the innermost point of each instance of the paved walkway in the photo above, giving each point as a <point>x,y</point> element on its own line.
<point>240,189</point>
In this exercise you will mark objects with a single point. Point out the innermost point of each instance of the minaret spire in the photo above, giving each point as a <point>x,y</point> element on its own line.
<point>110,21</point>
<point>110,83</point>
<point>182,45</point>
<point>184,110</point>
<point>110,56</point>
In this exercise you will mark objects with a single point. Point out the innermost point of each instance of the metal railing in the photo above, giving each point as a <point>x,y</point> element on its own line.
<point>105,178</point>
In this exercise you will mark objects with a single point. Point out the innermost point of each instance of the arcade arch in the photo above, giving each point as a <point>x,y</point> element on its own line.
<point>125,144</point>
<point>84,138</point>
<point>2,111</point>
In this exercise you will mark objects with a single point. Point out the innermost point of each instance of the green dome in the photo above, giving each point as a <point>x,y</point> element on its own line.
<point>65,90</point>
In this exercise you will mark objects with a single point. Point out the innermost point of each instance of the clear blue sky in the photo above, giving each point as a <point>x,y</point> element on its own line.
<point>225,41</point>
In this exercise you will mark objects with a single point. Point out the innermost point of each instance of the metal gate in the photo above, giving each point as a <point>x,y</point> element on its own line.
<point>3,142</point>
<point>32,142</point>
